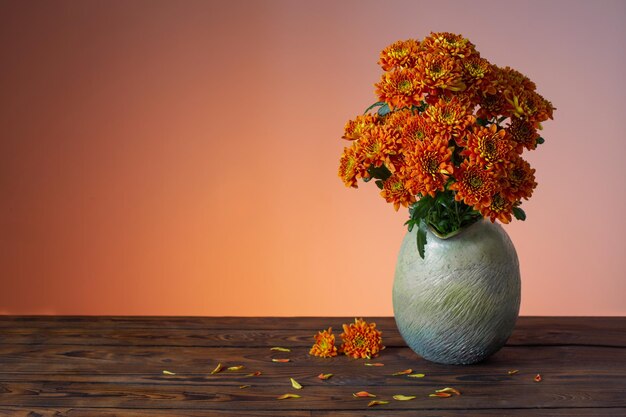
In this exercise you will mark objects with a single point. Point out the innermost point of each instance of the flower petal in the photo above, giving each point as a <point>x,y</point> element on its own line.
<point>416,376</point>
<point>257,373</point>
<point>324,376</point>
<point>374,364</point>
<point>376,402</point>
<point>538,378</point>
<point>295,384</point>
<point>405,372</point>
<point>363,394</point>
<point>168,373</point>
<point>513,371</point>
<point>280,349</point>
<point>244,386</point>
<point>403,397</point>
<point>281,360</point>
<point>217,369</point>
<point>449,390</point>
<point>285,396</point>
<point>234,368</point>
<point>441,394</point>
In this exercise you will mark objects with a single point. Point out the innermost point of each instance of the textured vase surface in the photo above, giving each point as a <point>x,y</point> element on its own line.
<point>458,305</point>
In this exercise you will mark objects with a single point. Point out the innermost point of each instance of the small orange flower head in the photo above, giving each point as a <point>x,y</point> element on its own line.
<point>499,208</point>
<point>474,185</point>
<point>399,88</point>
<point>399,54</point>
<point>523,134</point>
<point>488,145</point>
<point>394,191</point>
<point>324,346</point>
<point>429,166</point>
<point>355,129</point>
<point>349,167</point>
<point>448,43</point>
<point>361,339</point>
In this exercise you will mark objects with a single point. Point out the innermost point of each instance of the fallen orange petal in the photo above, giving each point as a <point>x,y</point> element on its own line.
<point>373,403</point>
<point>405,372</point>
<point>285,396</point>
<point>244,386</point>
<point>374,364</point>
<point>168,373</point>
<point>217,369</point>
<point>281,360</point>
<point>449,390</point>
<point>403,397</point>
<point>280,349</point>
<point>513,371</point>
<point>416,376</point>
<point>257,373</point>
<point>538,378</point>
<point>234,368</point>
<point>324,376</point>
<point>363,394</point>
<point>295,384</point>
<point>441,394</point>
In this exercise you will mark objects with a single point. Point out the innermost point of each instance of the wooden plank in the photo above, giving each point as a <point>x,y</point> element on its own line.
<point>43,359</point>
<point>499,412</point>
<point>125,412</point>
<point>78,395</point>
<point>259,331</point>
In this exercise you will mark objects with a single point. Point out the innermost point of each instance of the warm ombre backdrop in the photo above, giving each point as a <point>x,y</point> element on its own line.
<point>180,157</point>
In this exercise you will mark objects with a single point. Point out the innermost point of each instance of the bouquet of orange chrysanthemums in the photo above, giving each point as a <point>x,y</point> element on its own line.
<point>446,136</point>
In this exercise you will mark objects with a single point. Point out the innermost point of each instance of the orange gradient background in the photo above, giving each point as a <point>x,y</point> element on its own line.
<point>180,157</point>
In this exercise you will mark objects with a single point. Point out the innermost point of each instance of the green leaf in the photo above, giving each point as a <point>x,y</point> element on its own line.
<point>379,184</point>
<point>540,140</point>
<point>377,104</point>
<point>384,109</point>
<point>519,213</point>
<point>381,172</point>
<point>421,238</point>
<point>481,122</point>
<point>422,207</point>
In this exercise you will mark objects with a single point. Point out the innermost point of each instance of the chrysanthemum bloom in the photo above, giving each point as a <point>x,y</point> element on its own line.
<point>324,346</point>
<point>478,77</point>
<point>488,145</point>
<point>349,167</point>
<point>355,128</point>
<point>519,181</point>
<point>399,88</point>
<point>399,54</point>
<point>449,43</point>
<point>512,78</point>
<point>416,129</point>
<point>361,339</point>
<point>523,134</point>
<point>394,191</point>
<point>493,105</point>
<point>429,166</point>
<point>377,146</point>
<point>450,118</point>
<point>499,208</point>
<point>474,184</point>
<point>439,72</point>
<point>397,120</point>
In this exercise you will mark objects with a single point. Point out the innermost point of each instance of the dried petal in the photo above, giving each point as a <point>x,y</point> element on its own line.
<point>449,390</point>
<point>257,373</point>
<point>235,368</point>
<point>376,402</point>
<point>324,376</point>
<point>168,373</point>
<point>285,396</point>
<point>405,372</point>
<point>244,386</point>
<point>363,394</point>
<point>374,364</point>
<point>441,394</point>
<point>416,376</point>
<point>295,384</point>
<point>281,360</point>
<point>513,371</point>
<point>280,349</point>
<point>538,378</point>
<point>403,397</point>
<point>217,369</point>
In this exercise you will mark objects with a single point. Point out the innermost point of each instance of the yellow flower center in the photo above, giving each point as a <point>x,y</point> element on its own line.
<point>475,182</point>
<point>405,86</point>
<point>498,203</point>
<point>398,52</point>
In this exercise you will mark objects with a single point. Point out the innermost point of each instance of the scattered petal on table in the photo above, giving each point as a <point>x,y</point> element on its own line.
<point>257,373</point>
<point>295,384</point>
<point>513,371</point>
<point>538,378</point>
<point>374,364</point>
<point>235,368</point>
<point>416,376</point>
<point>281,360</point>
<point>449,390</point>
<point>403,397</point>
<point>377,402</point>
<point>217,369</point>
<point>168,373</point>
<point>244,386</point>
<point>441,394</point>
<point>324,376</point>
<point>363,394</point>
<point>285,396</point>
<point>405,372</point>
<point>280,349</point>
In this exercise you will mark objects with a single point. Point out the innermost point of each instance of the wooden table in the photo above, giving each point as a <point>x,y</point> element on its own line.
<point>113,366</point>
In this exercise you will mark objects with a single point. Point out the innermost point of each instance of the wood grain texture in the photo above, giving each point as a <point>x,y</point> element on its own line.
<point>112,366</point>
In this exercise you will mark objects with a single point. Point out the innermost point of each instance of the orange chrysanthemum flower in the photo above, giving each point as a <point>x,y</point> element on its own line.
<point>519,181</point>
<point>523,134</point>
<point>493,105</point>
<point>416,129</point>
<point>324,346</point>
<point>474,185</point>
<point>499,208</point>
<point>399,54</point>
<point>397,120</point>
<point>436,71</point>
<point>394,191</point>
<point>488,145</point>
<point>511,78</point>
<point>399,88</point>
<point>479,78</point>
<point>354,129</point>
<point>449,43</point>
<point>429,166</point>
<point>450,118</point>
<point>376,147</point>
<point>349,167</point>
<point>361,339</point>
